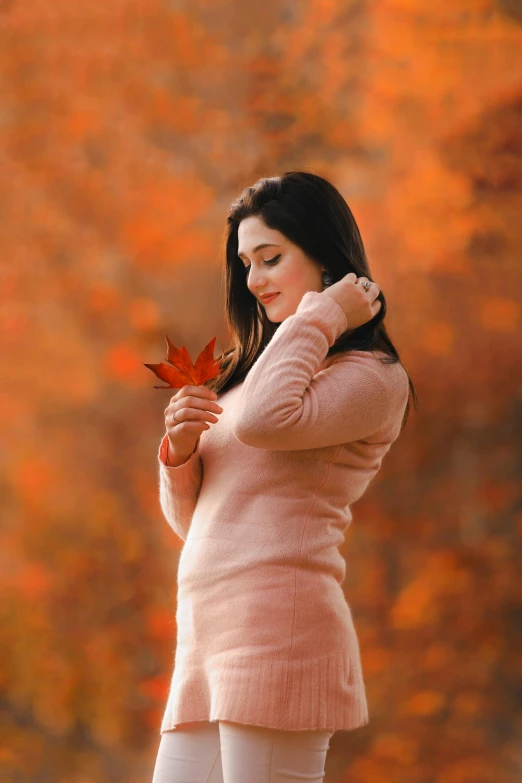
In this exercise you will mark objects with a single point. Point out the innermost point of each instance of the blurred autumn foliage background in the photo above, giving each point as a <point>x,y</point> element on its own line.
<point>126,128</point>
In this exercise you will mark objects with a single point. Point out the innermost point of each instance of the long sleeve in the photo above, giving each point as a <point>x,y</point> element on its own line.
<point>283,406</point>
<point>179,488</point>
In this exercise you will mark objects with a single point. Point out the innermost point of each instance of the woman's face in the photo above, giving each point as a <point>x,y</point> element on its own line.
<point>290,272</point>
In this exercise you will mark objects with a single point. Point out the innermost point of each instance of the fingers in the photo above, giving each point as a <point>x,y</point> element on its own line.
<point>184,413</point>
<point>372,289</point>
<point>193,408</point>
<point>198,391</point>
<point>375,306</point>
<point>192,403</point>
<point>186,426</point>
<point>362,280</point>
<point>195,396</point>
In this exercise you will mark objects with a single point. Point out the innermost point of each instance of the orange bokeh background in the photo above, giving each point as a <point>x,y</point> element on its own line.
<point>126,130</point>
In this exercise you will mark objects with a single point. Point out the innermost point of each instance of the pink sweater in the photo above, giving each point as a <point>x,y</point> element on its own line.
<point>264,633</point>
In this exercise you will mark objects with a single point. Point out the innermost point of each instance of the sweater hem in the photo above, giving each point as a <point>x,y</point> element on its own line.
<point>243,722</point>
<point>325,693</point>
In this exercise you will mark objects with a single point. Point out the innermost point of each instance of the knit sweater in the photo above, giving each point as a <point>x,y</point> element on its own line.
<point>265,635</point>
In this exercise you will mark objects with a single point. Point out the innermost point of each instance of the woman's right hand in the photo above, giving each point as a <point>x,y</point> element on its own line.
<point>192,406</point>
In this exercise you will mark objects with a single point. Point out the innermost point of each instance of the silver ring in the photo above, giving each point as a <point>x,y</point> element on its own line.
<point>366,285</point>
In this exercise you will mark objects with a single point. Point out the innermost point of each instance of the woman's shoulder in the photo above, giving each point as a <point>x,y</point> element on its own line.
<point>377,360</point>
<point>377,364</point>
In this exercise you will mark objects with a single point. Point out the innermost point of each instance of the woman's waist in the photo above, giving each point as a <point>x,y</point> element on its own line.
<point>209,559</point>
<point>257,514</point>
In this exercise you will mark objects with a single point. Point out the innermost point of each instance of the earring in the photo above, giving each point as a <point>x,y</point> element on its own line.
<point>327,279</point>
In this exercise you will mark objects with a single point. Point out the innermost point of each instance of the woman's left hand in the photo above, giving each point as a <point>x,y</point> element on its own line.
<point>359,304</point>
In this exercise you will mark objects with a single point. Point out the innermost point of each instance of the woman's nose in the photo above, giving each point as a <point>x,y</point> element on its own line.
<point>257,283</point>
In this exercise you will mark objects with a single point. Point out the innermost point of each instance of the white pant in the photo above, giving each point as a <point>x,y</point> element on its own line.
<point>226,752</point>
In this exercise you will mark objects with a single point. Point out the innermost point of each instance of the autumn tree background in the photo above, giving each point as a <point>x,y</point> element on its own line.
<point>126,129</point>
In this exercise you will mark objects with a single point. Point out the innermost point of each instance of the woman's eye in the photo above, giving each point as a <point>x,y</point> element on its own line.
<point>270,261</point>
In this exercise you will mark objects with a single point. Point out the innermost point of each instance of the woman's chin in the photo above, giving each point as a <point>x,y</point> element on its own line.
<point>278,316</point>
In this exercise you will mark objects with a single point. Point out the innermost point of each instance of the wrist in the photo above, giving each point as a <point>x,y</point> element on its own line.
<point>173,458</point>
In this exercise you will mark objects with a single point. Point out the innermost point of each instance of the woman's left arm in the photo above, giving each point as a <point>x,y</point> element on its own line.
<point>283,406</point>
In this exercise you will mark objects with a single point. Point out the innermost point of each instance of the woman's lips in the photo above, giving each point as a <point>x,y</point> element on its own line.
<point>270,298</point>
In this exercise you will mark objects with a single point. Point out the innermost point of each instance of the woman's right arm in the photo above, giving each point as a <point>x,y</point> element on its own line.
<point>179,488</point>
<point>190,411</point>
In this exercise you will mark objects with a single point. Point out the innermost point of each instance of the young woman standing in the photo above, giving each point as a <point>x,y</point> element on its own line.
<point>257,472</point>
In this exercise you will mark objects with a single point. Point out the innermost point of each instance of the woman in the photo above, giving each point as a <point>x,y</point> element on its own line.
<point>259,486</point>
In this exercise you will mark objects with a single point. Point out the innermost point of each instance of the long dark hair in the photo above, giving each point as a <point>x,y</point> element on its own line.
<point>311,213</point>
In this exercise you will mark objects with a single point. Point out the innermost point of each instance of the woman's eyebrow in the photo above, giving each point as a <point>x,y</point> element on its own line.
<point>258,247</point>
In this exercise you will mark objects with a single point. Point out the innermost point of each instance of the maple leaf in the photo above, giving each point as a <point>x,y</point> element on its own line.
<point>181,370</point>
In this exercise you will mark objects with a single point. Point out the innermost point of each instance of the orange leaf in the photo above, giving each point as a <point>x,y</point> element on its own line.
<point>181,370</point>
